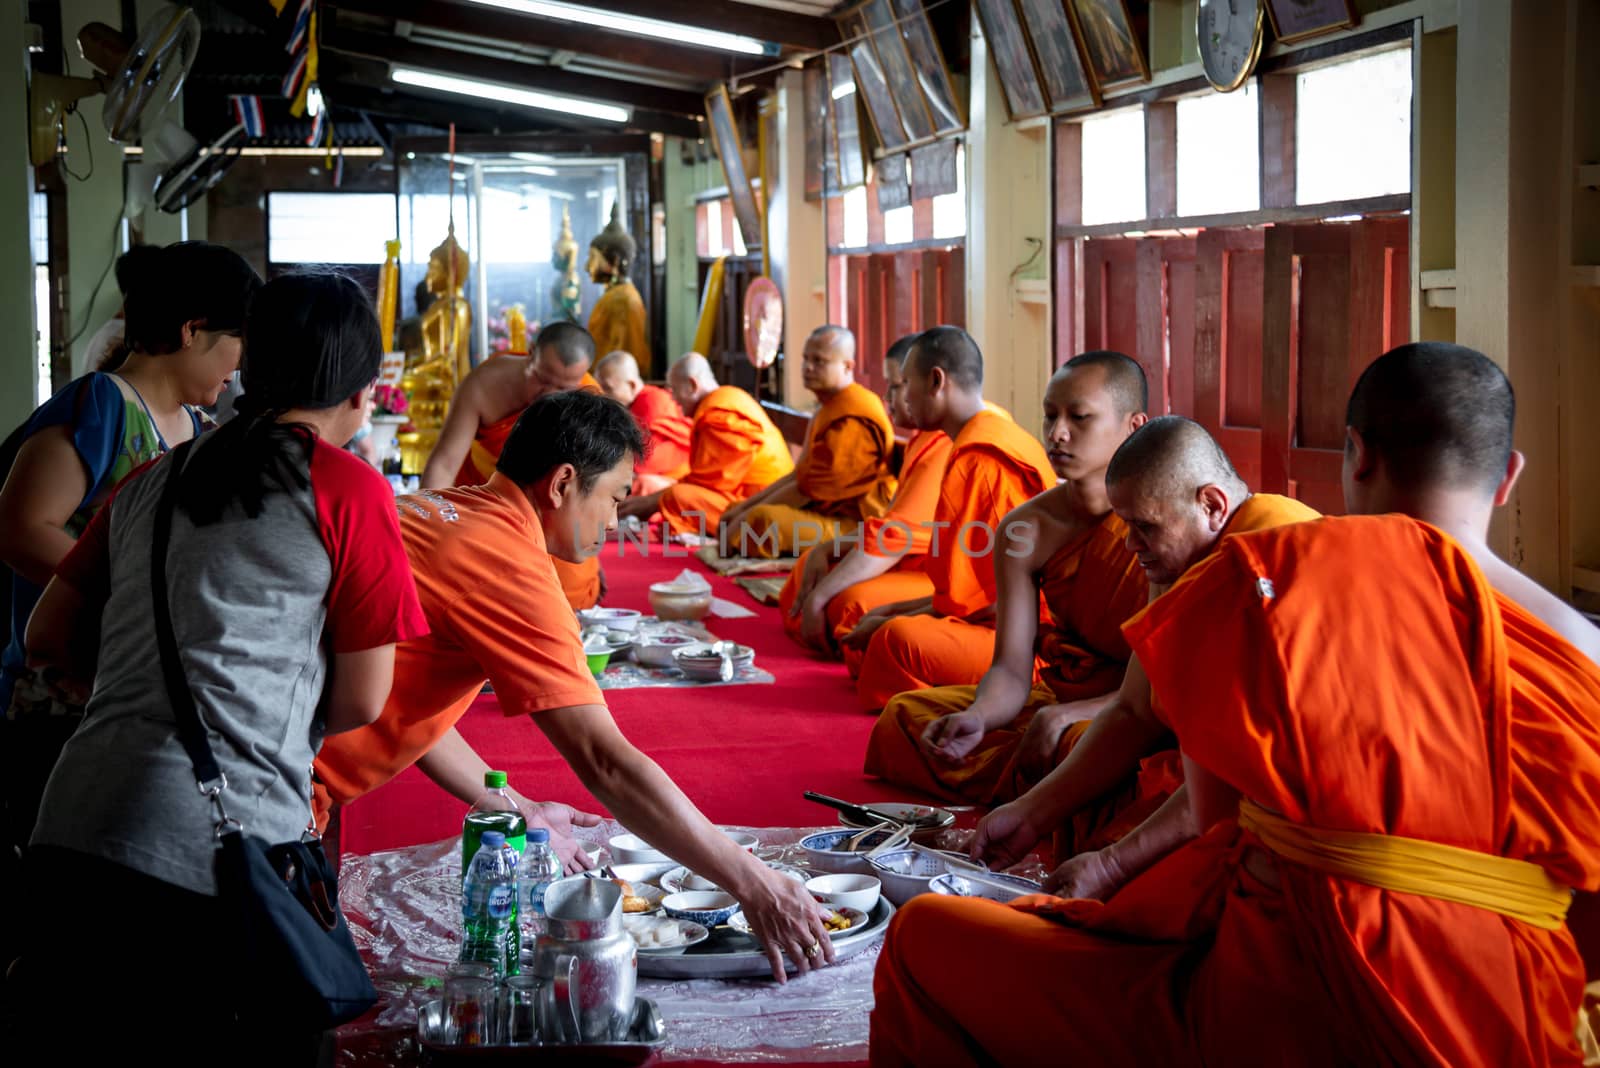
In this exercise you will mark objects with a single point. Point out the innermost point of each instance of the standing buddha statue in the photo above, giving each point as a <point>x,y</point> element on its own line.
<point>446,327</point>
<point>566,294</point>
<point>618,320</point>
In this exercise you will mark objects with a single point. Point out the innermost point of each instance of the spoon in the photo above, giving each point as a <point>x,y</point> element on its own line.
<point>725,669</point>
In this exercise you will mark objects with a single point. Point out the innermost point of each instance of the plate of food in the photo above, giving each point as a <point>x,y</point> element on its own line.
<point>663,934</point>
<point>639,898</point>
<point>838,921</point>
<point>681,878</point>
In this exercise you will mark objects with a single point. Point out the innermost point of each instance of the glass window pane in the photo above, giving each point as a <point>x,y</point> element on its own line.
<point>855,218</point>
<point>329,227</point>
<point>897,225</point>
<point>950,210</point>
<point>1353,129</point>
<point>1113,167</point>
<point>1219,152</point>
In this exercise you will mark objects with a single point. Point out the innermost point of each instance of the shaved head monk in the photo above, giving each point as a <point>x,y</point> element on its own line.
<point>735,451</point>
<point>842,476</point>
<point>987,743</point>
<point>482,561</point>
<point>946,633</point>
<point>1391,738</point>
<point>1176,495</point>
<point>667,459</point>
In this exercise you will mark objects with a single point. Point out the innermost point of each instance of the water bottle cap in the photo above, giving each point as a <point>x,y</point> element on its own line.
<point>538,834</point>
<point>494,780</point>
<point>492,839</point>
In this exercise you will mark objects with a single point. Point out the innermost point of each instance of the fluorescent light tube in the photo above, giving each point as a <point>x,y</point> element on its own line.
<point>510,94</point>
<point>842,91</point>
<point>676,32</point>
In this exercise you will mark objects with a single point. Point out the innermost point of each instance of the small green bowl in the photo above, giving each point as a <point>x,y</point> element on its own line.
<point>598,662</point>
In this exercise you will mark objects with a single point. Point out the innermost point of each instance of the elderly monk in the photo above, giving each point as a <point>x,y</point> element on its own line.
<point>842,476</point>
<point>486,407</point>
<point>735,451</point>
<point>1392,741</point>
<point>481,558</point>
<point>668,428</point>
<point>946,634</point>
<point>828,590</point>
<point>1177,495</point>
<point>990,742</point>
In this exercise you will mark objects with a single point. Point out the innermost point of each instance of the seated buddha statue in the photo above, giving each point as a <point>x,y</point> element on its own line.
<point>445,356</point>
<point>565,294</point>
<point>618,320</point>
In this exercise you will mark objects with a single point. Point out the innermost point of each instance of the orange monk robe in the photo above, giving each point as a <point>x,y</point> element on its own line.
<point>994,466</point>
<point>668,459</point>
<point>1091,586</point>
<point>618,322</point>
<point>735,452</point>
<point>843,473</point>
<point>904,531</point>
<point>581,582</point>
<point>1292,665</point>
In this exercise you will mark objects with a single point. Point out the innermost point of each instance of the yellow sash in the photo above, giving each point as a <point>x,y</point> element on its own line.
<point>1516,888</point>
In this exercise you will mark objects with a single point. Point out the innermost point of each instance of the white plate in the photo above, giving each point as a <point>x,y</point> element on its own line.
<point>903,811</point>
<point>856,917</point>
<point>680,878</point>
<point>678,935</point>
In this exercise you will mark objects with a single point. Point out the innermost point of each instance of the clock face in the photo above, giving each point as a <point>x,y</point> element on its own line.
<point>1229,33</point>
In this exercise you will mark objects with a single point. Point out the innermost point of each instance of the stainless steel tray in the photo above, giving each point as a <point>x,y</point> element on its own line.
<point>728,954</point>
<point>636,1050</point>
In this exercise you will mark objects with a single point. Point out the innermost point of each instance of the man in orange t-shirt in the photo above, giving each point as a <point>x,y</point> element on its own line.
<point>667,459</point>
<point>481,557</point>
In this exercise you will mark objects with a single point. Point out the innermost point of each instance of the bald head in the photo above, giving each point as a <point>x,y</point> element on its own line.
<point>1124,378</point>
<point>1437,416</point>
<point>951,350</point>
<point>568,342</point>
<point>1174,487</point>
<point>943,380</point>
<point>618,375</point>
<point>691,381</point>
<point>828,363</point>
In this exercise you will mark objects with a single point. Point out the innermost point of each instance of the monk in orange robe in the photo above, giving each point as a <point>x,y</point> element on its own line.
<point>487,405</point>
<point>1177,496</point>
<point>987,743</point>
<point>830,581</point>
<point>1390,738</point>
<point>656,411</point>
<point>946,634</point>
<point>734,451</point>
<point>842,476</point>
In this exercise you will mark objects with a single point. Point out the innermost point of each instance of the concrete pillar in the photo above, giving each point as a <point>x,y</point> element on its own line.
<point>682,293</point>
<point>797,230</point>
<point>19,342</point>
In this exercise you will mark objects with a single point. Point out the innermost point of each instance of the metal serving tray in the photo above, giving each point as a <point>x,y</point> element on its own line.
<point>727,954</point>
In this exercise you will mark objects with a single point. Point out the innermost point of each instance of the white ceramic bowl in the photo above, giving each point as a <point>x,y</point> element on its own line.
<point>743,839</point>
<point>657,652</point>
<point>702,665</point>
<point>956,885</point>
<point>593,851</point>
<point>823,855</point>
<point>906,872</point>
<point>708,908</point>
<point>624,619</point>
<point>846,891</point>
<point>631,849</point>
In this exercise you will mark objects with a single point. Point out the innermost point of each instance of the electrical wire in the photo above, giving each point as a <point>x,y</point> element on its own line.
<point>88,148</point>
<point>88,311</point>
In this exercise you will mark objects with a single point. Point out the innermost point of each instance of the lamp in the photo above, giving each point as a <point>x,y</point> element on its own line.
<point>510,94</point>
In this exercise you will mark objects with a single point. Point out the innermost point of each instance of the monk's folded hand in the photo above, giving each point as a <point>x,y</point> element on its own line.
<point>864,630</point>
<point>559,820</point>
<point>814,623</point>
<point>788,922</point>
<point>1005,836</point>
<point>950,738</point>
<point>1095,875</point>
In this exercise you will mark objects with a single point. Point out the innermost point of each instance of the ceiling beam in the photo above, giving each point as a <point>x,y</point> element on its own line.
<point>492,24</point>
<point>805,32</point>
<point>511,72</point>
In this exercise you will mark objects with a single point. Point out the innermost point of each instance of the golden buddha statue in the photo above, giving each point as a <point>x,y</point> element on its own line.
<point>445,357</point>
<point>566,294</point>
<point>618,320</point>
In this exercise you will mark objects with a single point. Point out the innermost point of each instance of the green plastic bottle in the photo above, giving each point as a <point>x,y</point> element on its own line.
<point>494,811</point>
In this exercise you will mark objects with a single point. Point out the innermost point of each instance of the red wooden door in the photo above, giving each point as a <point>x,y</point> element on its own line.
<point>1165,327</point>
<point>1229,268</point>
<point>1111,299</point>
<point>1336,296</point>
<point>890,294</point>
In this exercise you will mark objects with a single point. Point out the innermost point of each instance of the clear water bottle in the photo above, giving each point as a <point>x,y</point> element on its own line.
<point>489,906</point>
<point>540,867</point>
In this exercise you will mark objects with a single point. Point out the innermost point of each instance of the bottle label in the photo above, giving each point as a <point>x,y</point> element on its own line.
<point>502,900</point>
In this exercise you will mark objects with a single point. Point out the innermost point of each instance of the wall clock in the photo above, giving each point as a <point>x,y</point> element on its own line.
<point>1230,34</point>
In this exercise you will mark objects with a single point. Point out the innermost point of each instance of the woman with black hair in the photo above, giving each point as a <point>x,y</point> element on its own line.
<point>288,588</point>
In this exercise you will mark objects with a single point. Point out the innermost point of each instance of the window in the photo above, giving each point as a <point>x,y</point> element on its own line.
<point>332,227</point>
<point>950,210</point>
<point>1219,153</point>
<point>1113,167</point>
<point>717,231</point>
<point>897,226</point>
<point>1353,129</point>
<point>855,218</point>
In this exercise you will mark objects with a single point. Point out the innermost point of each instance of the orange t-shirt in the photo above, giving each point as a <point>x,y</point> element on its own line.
<point>497,612</point>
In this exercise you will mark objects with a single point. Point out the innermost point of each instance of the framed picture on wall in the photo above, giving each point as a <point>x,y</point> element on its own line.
<point>1109,42</point>
<point>1296,20</point>
<point>850,165</point>
<point>933,73</point>
<point>1066,82</point>
<point>1019,82</point>
<point>725,139</point>
<point>818,159</point>
<point>897,69</point>
<point>871,82</point>
<point>894,184</point>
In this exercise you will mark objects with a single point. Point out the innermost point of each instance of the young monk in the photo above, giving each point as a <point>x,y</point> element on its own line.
<point>828,592</point>
<point>842,476</point>
<point>667,426</point>
<point>481,557</point>
<point>1390,738</point>
<point>989,742</point>
<point>735,451</point>
<point>487,405</point>
<point>1177,496</point>
<point>946,634</point>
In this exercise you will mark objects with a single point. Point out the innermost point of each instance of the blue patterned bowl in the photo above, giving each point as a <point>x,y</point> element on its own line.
<point>708,908</point>
<point>824,853</point>
<point>953,884</point>
<point>905,873</point>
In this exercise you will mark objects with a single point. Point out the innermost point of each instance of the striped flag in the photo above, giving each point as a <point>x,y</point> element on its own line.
<point>291,81</point>
<point>319,123</point>
<point>302,26</point>
<point>247,112</point>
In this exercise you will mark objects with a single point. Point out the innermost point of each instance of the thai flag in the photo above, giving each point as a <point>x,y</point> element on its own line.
<point>302,26</point>
<point>291,81</point>
<point>319,124</point>
<point>247,112</point>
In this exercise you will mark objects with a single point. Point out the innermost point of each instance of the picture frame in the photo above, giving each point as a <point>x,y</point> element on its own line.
<point>871,82</point>
<point>819,160</point>
<point>933,72</point>
<point>1008,46</point>
<point>844,119</point>
<point>894,182</point>
<point>724,133</point>
<point>915,114</point>
<point>933,170</point>
<point>1058,57</point>
<point>1111,48</point>
<point>1298,20</point>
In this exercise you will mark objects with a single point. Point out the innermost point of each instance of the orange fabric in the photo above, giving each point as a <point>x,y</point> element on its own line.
<point>1090,586</point>
<point>669,428</point>
<point>497,612</point>
<point>855,601</point>
<point>920,652</point>
<point>844,468</point>
<point>618,321</point>
<point>1351,674</point>
<point>904,529</point>
<point>735,452</point>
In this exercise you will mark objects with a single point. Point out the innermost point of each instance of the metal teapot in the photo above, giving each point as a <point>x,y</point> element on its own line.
<point>589,964</point>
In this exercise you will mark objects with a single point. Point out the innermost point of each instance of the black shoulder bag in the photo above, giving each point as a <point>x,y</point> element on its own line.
<point>295,959</point>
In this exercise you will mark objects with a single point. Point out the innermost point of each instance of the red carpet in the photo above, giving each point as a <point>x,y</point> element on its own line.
<point>743,754</point>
